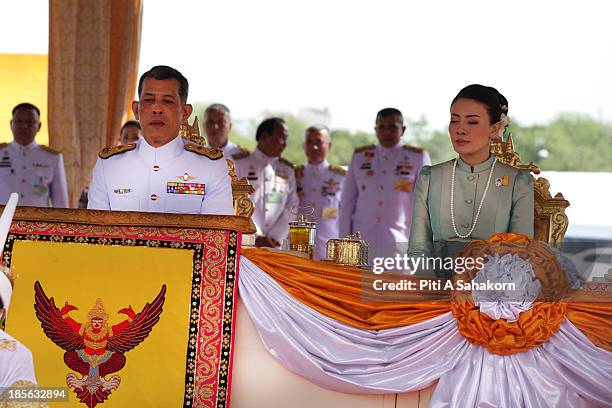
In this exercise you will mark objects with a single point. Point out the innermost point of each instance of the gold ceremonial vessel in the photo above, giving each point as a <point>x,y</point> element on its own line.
<point>302,233</point>
<point>348,251</point>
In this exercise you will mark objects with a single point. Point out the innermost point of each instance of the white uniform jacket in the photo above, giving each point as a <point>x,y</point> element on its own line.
<point>320,185</point>
<point>275,192</point>
<point>378,192</point>
<point>179,177</point>
<point>16,363</point>
<point>35,172</point>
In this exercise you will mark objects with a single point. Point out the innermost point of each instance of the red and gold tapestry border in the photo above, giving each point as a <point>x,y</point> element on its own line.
<point>214,273</point>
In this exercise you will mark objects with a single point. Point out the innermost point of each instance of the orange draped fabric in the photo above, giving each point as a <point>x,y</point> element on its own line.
<point>533,328</point>
<point>94,48</point>
<point>594,320</point>
<point>345,294</point>
<point>342,294</point>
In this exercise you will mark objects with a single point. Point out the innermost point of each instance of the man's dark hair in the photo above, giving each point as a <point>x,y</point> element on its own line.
<point>267,126</point>
<point>161,72</point>
<point>387,112</point>
<point>130,123</point>
<point>26,106</point>
<point>216,107</point>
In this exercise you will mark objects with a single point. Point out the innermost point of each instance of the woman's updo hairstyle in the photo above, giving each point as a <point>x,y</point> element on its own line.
<point>494,102</point>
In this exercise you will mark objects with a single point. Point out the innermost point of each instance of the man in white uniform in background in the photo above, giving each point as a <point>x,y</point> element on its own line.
<point>320,184</point>
<point>274,181</point>
<point>217,126</point>
<point>378,189</point>
<point>34,171</point>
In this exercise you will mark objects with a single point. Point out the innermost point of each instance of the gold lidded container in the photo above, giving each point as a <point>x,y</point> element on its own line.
<point>348,251</point>
<point>302,233</point>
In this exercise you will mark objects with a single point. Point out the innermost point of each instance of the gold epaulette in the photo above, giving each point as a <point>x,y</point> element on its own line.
<point>241,155</point>
<point>210,152</point>
<point>413,148</point>
<point>337,169</point>
<point>111,151</point>
<point>48,149</point>
<point>243,150</point>
<point>286,162</point>
<point>299,171</point>
<point>364,148</point>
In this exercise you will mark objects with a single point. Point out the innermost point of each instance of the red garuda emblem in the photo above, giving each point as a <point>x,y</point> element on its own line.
<point>95,349</point>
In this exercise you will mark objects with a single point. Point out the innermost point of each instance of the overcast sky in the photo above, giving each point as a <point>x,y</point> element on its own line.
<point>355,57</point>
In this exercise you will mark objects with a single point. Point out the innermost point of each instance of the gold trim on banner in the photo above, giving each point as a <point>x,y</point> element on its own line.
<point>133,219</point>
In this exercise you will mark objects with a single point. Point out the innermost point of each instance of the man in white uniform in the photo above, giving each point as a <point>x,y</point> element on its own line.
<point>274,181</point>
<point>217,126</point>
<point>320,184</point>
<point>16,363</point>
<point>377,191</point>
<point>34,171</point>
<point>162,172</point>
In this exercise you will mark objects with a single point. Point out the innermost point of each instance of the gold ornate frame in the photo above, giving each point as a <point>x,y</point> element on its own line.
<point>550,220</point>
<point>132,218</point>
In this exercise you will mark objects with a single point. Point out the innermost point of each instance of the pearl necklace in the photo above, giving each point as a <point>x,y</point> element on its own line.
<point>452,200</point>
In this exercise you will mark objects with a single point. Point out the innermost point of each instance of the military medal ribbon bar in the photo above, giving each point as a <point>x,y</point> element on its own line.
<point>174,187</point>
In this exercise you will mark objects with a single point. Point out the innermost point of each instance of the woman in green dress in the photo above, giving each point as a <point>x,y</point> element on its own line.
<point>472,196</point>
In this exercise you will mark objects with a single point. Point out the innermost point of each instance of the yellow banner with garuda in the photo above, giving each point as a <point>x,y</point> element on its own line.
<point>126,314</point>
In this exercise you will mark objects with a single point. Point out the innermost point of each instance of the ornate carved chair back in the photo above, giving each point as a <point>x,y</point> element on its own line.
<point>550,219</point>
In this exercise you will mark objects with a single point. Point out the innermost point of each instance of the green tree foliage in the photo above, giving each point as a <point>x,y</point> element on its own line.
<point>570,142</point>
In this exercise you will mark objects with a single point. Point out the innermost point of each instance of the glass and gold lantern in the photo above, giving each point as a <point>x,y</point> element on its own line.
<point>348,251</point>
<point>302,233</point>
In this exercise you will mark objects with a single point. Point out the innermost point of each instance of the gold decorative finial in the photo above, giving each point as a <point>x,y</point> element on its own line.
<point>551,222</point>
<point>98,311</point>
<point>192,132</point>
<point>504,151</point>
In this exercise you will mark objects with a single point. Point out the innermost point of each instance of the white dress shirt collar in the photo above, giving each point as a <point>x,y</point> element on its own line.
<point>161,154</point>
<point>18,147</point>
<point>321,166</point>
<point>388,150</point>
<point>261,156</point>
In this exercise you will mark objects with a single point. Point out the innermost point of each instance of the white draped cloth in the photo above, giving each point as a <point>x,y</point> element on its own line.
<point>568,370</point>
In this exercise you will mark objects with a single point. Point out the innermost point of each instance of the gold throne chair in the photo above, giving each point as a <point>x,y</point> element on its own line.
<point>550,219</point>
<point>241,188</point>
